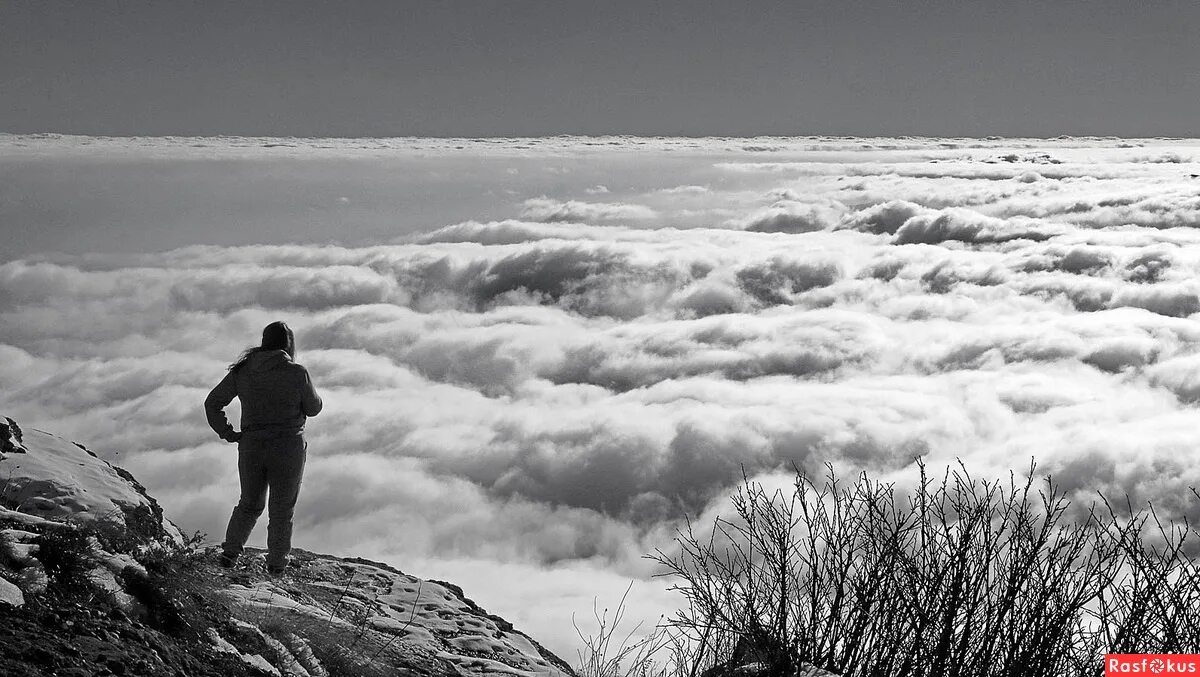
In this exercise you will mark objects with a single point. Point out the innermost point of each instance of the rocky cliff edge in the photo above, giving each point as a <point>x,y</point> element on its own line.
<point>95,581</point>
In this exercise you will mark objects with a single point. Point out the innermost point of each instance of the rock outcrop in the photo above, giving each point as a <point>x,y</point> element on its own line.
<point>94,580</point>
<point>47,476</point>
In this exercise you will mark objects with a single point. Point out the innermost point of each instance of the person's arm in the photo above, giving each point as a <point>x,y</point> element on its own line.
<point>214,408</point>
<point>310,401</point>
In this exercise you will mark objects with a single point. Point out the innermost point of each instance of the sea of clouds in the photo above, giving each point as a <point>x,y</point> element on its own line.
<point>528,404</point>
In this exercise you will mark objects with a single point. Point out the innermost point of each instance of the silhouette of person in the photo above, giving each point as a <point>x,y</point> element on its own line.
<point>277,396</point>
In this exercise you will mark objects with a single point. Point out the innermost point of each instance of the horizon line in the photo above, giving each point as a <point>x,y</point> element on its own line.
<point>613,135</point>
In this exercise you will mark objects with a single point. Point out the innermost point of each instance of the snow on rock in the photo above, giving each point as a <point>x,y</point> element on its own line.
<point>323,614</point>
<point>12,516</point>
<point>253,660</point>
<point>395,611</point>
<point>10,594</point>
<point>46,476</point>
<point>17,549</point>
<point>104,579</point>
<point>119,563</point>
<point>300,648</point>
<point>290,666</point>
<point>265,597</point>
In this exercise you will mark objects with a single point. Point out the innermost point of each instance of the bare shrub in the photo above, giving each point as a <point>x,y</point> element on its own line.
<point>613,652</point>
<point>960,577</point>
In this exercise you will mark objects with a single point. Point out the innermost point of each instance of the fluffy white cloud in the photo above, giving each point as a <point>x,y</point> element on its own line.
<point>793,216</point>
<point>573,211</point>
<point>553,389</point>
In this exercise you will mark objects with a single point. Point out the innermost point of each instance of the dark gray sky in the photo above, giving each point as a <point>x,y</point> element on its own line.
<point>517,67</point>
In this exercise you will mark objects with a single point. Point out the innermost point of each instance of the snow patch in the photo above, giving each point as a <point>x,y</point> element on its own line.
<point>58,480</point>
<point>11,594</point>
<point>253,660</point>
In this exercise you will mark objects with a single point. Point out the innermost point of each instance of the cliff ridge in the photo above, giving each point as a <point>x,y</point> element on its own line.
<point>94,580</point>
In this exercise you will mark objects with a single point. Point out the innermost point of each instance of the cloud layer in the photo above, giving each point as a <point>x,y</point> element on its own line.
<point>555,389</point>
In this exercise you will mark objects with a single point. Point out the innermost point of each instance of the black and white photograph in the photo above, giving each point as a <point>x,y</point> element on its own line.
<point>552,338</point>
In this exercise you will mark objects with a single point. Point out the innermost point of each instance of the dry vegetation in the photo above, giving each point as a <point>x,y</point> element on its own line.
<point>959,577</point>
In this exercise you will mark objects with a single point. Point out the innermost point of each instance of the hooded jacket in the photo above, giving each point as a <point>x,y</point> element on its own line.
<point>276,395</point>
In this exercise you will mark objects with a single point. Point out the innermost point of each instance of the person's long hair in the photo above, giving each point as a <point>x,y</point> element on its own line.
<point>275,336</point>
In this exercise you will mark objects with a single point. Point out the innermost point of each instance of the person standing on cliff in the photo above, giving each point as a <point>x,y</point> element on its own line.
<point>277,396</point>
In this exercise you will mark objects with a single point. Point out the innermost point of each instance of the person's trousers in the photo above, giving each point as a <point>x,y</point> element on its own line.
<point>274,465</point>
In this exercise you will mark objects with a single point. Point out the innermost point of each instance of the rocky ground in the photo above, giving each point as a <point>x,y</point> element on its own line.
<point>94,581</point>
